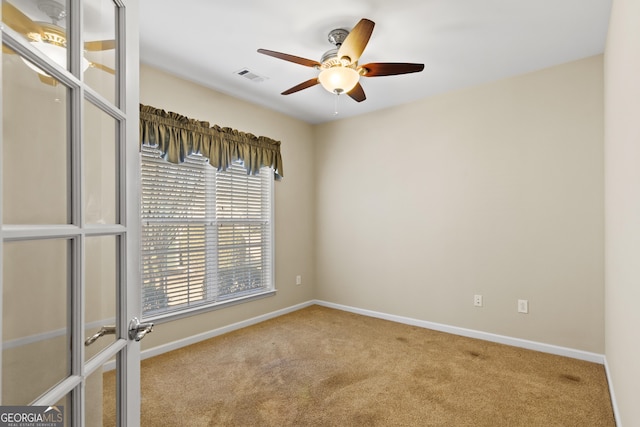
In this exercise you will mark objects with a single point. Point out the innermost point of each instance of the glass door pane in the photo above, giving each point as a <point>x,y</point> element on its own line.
<point>64,405</point>
<point>35,152</point>
<point>100,396</point>
<point>101,157</point>
<point>101,273</point>
<point>43,25</point>
<point>99,33</point>
<point>35,331</point>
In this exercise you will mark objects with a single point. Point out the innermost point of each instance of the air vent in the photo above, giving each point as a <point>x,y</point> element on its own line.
<point>249,75</point>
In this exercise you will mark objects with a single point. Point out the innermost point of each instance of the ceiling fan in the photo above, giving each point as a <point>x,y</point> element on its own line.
<point>339,69</point>
<point>50,38</point>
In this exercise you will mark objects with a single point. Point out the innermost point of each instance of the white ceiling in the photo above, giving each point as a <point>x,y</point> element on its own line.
<point>461,42</point>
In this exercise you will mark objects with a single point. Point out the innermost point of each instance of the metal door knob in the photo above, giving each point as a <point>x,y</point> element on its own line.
<point>138,330</point>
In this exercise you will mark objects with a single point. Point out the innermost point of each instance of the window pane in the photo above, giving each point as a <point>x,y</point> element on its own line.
<point>174,265</point>
<point>206,235</point>
<point>242,196</point>
<point>100,47</point>
<point>35,153</point>
<point>242,259</point>
<point>243,211</point>
<point>100,201</point>
<point>35,335</point>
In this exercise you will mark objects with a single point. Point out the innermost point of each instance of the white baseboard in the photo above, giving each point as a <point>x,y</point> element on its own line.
<point>486,336</point>
<point>501,339</point>
<point>614,404</point>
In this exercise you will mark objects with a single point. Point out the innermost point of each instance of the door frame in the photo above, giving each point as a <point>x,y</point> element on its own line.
<point>129,363</point>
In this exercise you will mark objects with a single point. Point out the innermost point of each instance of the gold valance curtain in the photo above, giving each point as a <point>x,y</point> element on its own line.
<point>178,136</point>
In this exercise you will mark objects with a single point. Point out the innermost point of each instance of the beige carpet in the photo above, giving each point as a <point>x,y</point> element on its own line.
<point>324,367</point>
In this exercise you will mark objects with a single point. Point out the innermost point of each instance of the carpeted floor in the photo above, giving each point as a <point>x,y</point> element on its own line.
<point>324,367</point>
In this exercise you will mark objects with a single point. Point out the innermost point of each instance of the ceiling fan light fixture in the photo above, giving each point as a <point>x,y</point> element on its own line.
<point>57,53</point>
<point>338,80</point>
<point>52,42</point>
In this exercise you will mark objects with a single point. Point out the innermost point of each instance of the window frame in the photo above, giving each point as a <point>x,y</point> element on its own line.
<point>212,261</point>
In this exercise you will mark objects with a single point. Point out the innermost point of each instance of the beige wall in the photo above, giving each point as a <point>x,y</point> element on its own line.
<point>494,190</point>
<point>294,203</point>
<point>622,204</point>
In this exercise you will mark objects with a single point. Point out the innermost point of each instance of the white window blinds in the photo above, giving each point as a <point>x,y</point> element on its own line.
<point>206,235</point>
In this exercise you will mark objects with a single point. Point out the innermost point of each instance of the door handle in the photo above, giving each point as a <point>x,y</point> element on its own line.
<point>138,330</point>
<point>105,330</point>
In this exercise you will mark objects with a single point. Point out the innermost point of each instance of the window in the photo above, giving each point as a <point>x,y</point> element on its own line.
<point>206,235</point>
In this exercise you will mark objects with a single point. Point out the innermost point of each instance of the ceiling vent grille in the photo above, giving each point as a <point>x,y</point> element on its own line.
<point>249,75</point>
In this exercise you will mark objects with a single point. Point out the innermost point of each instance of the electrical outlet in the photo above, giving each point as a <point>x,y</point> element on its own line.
<point>298,280</point>
<point>523,306</point>
<point>477,300</point>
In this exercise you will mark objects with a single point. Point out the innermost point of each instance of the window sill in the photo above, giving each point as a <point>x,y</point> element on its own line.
<point>168,317</point>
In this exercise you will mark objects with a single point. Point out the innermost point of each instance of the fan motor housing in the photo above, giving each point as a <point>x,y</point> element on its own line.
<point>330,58</point>
<point>336,37</point>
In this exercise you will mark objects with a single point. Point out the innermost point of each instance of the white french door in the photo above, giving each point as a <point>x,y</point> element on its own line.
<point>69,209</point>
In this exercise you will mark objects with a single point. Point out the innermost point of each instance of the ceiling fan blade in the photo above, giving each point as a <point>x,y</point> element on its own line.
<point>100,45</point>
<point>376,69</point>
<point>356,41</point>
<point>18,20</point>
<point>290,58</point>
<point>304,85</point>
<point>102,67</point>
<point>357,93</point>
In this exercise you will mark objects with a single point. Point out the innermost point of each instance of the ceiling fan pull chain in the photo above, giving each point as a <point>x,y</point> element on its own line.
<point>335,105</point>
